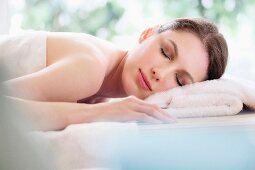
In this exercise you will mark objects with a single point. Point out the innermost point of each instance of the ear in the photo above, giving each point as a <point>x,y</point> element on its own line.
<point>147,33</point>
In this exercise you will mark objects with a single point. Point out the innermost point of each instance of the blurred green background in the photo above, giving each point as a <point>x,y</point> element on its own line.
<point>121,21</point>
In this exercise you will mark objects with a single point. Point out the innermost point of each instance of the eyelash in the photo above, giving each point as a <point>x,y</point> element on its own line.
<point>177,80</point>
<point>164,54</point>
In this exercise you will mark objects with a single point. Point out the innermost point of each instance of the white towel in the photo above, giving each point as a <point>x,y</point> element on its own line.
<point>24,53</point>
<point>221,97</point>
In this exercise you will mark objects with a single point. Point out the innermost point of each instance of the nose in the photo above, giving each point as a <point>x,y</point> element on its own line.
<point>157,74</point>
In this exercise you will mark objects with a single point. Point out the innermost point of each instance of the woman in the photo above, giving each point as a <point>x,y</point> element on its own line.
<point>84,69</point>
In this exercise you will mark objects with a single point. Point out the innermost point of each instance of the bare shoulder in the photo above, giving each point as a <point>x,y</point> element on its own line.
<point>62,45</point>
<point>67,80</point>
<point>88,74</point>
<point>89,68</point>
<point>77,65</point>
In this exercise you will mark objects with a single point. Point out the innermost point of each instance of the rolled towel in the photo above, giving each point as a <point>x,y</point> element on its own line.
<point>221,97</point>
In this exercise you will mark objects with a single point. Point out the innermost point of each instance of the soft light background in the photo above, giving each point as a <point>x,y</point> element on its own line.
<point>121,21</point>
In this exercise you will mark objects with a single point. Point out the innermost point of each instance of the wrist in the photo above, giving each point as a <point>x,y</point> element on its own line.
<point>82,114</point>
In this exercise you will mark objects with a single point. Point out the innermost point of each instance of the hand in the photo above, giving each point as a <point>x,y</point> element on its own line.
<point>129,109</point>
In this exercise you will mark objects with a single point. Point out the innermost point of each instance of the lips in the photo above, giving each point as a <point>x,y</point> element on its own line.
<point>144,81</point>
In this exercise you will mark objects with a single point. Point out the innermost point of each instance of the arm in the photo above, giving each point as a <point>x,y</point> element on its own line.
<point>44,94</point>
<point>58,115</point>
<point>51,115</point>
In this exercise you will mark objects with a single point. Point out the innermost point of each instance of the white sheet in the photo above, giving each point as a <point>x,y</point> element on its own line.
<point>92,145</point>
<point>103,145</point>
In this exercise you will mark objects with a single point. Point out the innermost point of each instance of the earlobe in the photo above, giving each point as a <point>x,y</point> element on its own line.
<point>147,33</point>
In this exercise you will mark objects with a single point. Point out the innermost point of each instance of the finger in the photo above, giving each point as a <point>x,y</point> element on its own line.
<point>144,103</point>
<point>155,112</point>
<point>173,118</point>
<point>164,117</point>
<point>142,117</point>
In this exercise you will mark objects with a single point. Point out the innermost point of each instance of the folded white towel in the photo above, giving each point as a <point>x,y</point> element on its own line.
<point>221,97</point>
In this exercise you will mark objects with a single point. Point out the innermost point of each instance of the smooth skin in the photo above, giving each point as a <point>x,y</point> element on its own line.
<point>81,67</point>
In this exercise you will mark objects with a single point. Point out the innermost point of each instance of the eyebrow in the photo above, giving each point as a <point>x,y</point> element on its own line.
<point>176,54</point>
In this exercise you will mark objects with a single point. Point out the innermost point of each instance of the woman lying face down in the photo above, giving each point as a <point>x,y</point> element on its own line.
<point>84,69</point>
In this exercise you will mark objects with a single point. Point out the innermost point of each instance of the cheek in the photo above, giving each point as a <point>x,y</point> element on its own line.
<point>147,54</point>
<point>200,71</point>
<point>167,84</point>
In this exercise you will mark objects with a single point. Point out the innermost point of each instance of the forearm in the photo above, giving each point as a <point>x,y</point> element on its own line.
<point>51,115</point>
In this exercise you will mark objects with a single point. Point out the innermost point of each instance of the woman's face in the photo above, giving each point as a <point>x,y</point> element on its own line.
<point>164,61</point>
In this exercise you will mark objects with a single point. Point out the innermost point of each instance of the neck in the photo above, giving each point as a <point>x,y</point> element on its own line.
<point>112,86</point>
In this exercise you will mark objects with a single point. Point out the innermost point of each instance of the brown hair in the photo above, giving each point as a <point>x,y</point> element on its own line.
<point>213,41</point>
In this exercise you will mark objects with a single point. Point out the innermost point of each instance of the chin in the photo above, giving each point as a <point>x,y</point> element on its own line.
<point>131,89</point>
<point>133,92</point>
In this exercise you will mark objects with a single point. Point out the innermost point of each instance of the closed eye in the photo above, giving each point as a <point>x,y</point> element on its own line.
<point>164,54</point>
<point>177,80</point>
